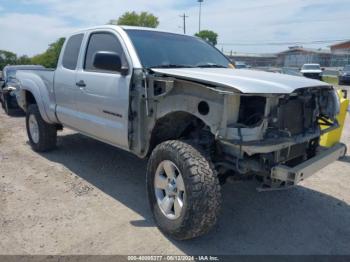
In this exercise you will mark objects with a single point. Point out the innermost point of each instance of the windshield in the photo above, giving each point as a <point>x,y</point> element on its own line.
<point>158,49</point>
<point>311,67</point>
<point>347,68</point>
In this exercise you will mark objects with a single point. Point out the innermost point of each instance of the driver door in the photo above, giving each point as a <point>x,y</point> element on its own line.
<point>103,100</point>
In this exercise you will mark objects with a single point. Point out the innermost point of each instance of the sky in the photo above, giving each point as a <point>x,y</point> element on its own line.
<point>251,26</point>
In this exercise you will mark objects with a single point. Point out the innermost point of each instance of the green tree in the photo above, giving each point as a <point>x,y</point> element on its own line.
<point>23,60</point>
<point>7,58</point>
<point>209,36</point>
<point>143,19</point>
<point>50,57</point>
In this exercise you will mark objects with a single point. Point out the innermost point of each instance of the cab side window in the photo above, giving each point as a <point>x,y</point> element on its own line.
<point>71,52</point>
<point>102,42</point>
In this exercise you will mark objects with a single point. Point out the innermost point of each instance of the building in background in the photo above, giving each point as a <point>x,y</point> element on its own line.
<point>253,60</point>
<point>340,54</point>
<point>296,56</point>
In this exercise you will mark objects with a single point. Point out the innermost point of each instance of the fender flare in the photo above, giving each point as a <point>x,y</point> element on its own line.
<point>34,85</point>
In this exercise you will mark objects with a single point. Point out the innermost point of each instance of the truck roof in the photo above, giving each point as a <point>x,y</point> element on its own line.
<point>122,27</point>
<point>122,32</point>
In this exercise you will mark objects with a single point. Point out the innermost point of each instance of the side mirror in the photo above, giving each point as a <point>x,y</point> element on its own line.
<point>109,61</point>
<point>323,68</point>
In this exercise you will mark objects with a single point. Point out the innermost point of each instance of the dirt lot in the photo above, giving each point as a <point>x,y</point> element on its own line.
<point>89,198</point>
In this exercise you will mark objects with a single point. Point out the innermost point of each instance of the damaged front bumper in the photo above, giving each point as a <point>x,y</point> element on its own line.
<point>293,175</point>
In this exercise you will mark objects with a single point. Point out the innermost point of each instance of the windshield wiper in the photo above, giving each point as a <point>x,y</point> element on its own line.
<point>189,66</point>
<point>172,66</point>
<point>211,66</point>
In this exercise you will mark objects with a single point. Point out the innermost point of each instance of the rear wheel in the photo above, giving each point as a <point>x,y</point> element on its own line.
<point>183,189</point>
<point>42,136</point>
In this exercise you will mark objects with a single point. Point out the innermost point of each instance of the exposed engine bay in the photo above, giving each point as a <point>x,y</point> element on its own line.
<point>244,133</point>
<point>279,129</point>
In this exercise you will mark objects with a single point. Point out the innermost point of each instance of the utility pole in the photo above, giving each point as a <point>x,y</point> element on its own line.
<point>200,14</point>
<point>184,16</point>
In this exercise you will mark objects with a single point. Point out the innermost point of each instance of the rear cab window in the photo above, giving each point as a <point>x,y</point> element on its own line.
<point>71,52</point>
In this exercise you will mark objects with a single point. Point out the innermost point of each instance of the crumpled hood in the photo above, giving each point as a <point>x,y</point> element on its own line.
<point>244,81</point>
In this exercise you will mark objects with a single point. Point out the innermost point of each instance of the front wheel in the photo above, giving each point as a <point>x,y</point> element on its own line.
<point>42,136</point>
<point>183,190</point>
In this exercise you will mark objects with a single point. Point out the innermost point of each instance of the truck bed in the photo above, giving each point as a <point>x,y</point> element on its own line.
<point>44,80</point>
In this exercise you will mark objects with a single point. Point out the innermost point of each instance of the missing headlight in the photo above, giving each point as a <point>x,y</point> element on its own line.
<point>252,110</point>
<point>329,104</point>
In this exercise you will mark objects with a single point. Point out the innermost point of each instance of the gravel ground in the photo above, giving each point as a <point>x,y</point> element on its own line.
<point>89,198</point>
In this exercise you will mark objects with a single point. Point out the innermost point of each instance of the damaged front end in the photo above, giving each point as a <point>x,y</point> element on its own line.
<point>272,135</point>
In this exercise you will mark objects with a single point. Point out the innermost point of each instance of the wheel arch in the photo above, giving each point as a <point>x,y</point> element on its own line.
<point>175,125</point>
<point>29,97</point>
<point>33,91</point>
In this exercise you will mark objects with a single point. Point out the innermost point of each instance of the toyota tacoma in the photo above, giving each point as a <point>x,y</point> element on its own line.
<point>177,101</point>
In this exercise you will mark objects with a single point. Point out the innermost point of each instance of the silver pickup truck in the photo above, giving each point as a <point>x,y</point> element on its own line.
<point>178,101</point>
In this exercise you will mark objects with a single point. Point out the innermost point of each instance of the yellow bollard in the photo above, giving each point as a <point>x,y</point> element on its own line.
<point>333,137</point>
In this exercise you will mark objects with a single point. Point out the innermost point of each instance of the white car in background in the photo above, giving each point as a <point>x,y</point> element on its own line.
<point>313,71</point>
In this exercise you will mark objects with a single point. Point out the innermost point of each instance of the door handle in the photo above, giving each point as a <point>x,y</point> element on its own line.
<point>81,83</point>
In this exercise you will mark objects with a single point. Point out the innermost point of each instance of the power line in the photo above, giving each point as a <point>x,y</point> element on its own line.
<point>184,16</point>
<point>285,43</point>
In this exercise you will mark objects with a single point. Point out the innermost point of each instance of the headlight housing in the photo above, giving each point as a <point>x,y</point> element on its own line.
<point>336,99</point>
<point>330,104</point>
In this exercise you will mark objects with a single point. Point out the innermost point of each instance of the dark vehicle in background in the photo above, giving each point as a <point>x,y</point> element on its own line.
<point>9,85</point>
<point>344,75</point>
<point>313,71</point>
